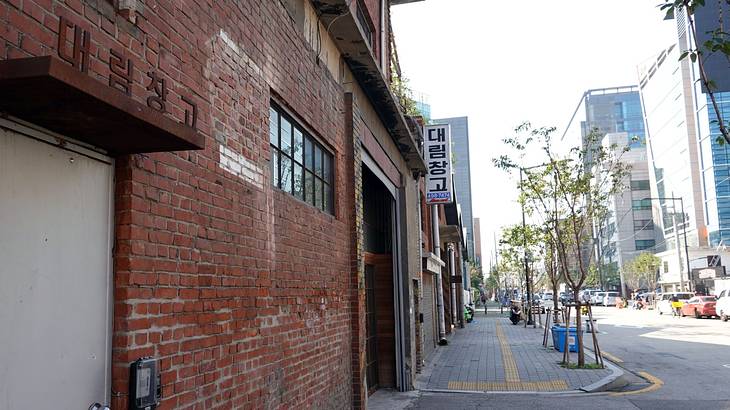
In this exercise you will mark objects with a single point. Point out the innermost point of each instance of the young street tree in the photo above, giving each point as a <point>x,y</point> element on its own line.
<point>565,193</point>
<point>642,271</point>
<point>516,244</point>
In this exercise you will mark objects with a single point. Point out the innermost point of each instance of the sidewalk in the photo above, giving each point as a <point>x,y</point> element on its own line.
<point>492,355</point>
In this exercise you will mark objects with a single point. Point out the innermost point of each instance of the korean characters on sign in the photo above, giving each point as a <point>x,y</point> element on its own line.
<point>437,153</point>
<point>121,70</point>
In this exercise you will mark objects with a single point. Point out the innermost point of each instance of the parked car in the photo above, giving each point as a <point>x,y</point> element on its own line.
<point>664,300</point>
<point>547,298</point>
<point>537,301</point>
<point>610,298</point>
<point>722,306</point>
<point>700,306</point>
<point>566,297</point>
<point>597,298</point>
<point>587,294</point>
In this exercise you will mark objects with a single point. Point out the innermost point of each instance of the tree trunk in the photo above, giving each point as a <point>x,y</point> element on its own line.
<point>555,301</point>
<point>578,330</point>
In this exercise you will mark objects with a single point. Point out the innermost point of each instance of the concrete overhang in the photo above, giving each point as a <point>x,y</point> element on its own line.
<point>347,35</point>
<point>452,230</point>
<point>432,263</point>
<point>450,233</point>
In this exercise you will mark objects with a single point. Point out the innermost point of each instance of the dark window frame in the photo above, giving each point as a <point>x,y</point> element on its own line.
<point>368,28</point>
<point>640,185</point>
<point>640,204</point>
<point>643,244</point>
<point>643,224</point>
<point>299,162</point>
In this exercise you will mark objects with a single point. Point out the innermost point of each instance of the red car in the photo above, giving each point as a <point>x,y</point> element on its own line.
<point>700,306</point>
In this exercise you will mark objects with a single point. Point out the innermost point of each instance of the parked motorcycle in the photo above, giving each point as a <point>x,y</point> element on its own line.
<point>468,313</point>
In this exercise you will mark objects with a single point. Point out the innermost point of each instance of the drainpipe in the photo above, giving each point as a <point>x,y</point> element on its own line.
<point>458,300</point>
<point>452,273</point>
<point>439,285</point>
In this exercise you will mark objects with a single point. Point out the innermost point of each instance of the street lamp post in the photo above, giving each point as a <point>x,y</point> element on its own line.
<point>684,233</point>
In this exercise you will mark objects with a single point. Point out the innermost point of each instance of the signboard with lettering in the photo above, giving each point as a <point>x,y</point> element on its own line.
<point>121,71</point>
<point>709,272</point>
<point>437,155</point>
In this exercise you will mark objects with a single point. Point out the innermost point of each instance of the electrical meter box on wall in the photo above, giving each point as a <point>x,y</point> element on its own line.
<point>144,384</point>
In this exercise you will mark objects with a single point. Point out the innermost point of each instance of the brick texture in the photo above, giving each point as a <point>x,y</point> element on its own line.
<point>243,292</point>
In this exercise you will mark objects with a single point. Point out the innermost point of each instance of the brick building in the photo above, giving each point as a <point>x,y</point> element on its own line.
<point>228,188</point>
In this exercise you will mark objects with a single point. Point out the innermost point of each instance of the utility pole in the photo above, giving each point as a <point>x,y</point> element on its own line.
<point>676,238</point>
<point>686,248</point>
<point>679,252</point>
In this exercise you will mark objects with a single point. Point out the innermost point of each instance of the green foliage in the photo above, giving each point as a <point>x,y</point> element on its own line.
<point>404,94</point>
<point>642,271</point>
<point>565,193</point>
<point>475,274</point>
<point>593,279</point>
<point>492,281</point>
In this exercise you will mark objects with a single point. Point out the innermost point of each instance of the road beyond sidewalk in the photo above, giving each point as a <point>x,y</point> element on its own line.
<point>492,355</point>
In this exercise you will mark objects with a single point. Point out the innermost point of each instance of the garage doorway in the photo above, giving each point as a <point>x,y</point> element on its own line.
<point>55,275</point>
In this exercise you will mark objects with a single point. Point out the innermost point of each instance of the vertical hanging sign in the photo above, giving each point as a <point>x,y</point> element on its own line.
<point>437,153</point>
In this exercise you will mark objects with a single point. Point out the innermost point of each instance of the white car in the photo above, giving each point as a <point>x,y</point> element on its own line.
<point>664,300</point>
<point>597,298</point>
<point>610,298</point>
<point>722,306</point>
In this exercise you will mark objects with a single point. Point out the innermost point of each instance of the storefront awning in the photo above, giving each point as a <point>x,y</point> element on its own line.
<point>50,93</point>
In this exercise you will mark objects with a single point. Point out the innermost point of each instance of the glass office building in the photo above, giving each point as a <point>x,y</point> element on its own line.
<point>715,168</point>
<point>613,110</point>
<point>714,158</point>
<point>672,149</point>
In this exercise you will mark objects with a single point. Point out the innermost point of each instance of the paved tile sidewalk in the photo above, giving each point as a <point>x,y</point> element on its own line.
<point>491,354</point>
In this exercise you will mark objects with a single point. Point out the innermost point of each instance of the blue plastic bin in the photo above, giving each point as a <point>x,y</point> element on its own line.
<point>559,338</point>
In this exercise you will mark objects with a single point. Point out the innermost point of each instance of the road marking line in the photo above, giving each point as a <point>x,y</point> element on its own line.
<point>611,357</point>
<point>656,384</point>
<point>543,386</point>
<point>511,375</point>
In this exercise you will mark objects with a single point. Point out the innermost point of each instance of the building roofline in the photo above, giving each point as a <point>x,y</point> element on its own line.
<point>339,18</point>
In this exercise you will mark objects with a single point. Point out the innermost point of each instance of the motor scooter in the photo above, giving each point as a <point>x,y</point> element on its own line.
<point>468,313</point>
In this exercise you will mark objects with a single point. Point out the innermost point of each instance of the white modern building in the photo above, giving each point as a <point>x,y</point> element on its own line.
<point>629,228</point>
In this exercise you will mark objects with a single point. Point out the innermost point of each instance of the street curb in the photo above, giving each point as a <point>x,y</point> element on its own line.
<point>496,392</point>
<point>613,381</point>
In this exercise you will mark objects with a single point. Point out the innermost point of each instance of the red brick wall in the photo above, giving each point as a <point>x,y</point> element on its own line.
<point>240,290</point>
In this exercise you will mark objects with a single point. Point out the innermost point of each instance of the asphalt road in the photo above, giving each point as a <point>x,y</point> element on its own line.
<point>691,356</point>
<point>688,357</point>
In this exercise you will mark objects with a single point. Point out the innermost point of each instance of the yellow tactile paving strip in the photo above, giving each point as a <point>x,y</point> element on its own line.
<point>552,385</point>
<point>511,375</point>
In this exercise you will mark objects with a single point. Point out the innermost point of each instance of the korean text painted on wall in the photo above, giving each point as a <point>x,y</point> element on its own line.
<point>437,153</point>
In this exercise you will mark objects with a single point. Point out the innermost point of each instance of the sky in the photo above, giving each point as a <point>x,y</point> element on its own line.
<point>505,62</point>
